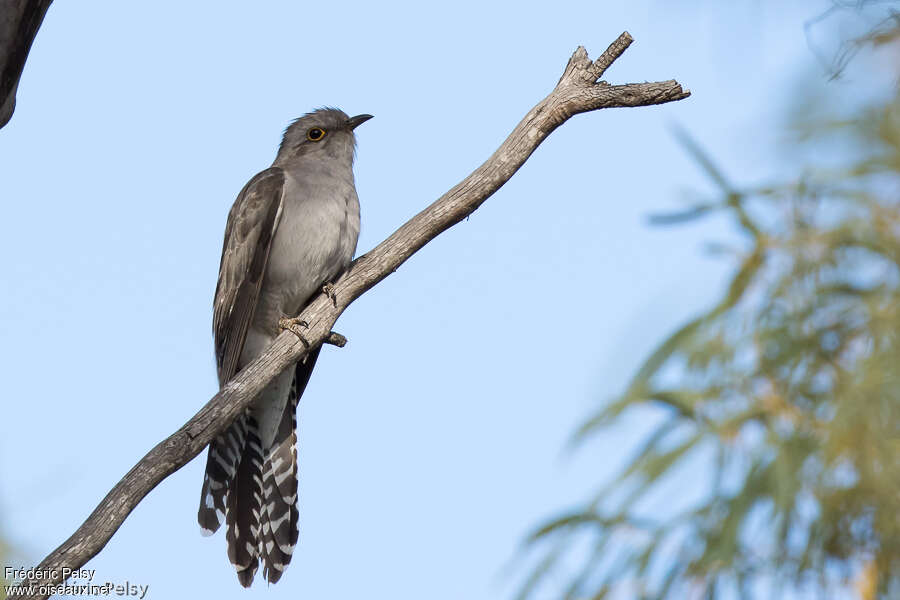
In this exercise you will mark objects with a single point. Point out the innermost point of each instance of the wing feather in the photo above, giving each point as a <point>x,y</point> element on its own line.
<point>249,232</point>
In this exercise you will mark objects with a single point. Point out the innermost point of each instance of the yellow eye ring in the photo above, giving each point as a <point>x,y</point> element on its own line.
<point>315,134</point>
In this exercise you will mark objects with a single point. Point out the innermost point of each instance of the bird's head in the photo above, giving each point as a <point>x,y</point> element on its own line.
<point>324,134</point>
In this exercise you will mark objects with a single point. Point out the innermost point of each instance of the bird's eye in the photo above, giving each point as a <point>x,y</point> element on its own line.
<point>315,134</point>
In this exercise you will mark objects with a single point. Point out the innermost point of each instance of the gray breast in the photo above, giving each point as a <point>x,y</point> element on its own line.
<point>315,240</point>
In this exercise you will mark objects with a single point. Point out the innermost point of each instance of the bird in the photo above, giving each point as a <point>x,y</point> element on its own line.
<point>291,231</point>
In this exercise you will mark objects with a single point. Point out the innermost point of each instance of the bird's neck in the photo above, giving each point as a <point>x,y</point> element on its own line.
<point>324,165</point>
<point>312,170</point>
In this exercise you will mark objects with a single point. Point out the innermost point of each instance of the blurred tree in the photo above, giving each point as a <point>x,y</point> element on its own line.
<point>791,383</point>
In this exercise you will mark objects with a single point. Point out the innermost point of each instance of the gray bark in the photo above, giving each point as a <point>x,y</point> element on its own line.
<point>577,91</point>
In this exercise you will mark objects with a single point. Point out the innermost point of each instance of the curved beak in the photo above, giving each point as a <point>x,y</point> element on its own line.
<point>354,122</point>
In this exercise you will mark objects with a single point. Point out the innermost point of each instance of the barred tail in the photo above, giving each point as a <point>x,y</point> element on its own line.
<point>254,490</point>
<point>279,516</point>
<point>243,508</point>
<point>221,465</point>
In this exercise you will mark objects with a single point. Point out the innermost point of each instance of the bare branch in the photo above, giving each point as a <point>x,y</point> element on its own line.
<point>335,339</point>
<point>615,50</point>
<point>577,91</point>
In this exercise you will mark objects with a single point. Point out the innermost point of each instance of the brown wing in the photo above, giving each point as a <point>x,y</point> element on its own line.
<point>248,238</point>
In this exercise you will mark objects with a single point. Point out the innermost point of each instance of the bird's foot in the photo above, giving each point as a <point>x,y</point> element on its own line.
<point>328,288</point>
<point>292,324</point>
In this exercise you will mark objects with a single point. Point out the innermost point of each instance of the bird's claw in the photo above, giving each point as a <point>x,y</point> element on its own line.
<point>291,323</point>
<point>328,288</point>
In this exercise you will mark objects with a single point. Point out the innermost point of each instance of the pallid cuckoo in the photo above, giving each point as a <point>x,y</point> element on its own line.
<point>292,229</point>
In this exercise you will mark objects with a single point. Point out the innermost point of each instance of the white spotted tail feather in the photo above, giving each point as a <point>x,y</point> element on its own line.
<point>221,465</point>
<point>280,528</point>
<point>254,491</point>
<point>232,491</point>
<point>242,514</point>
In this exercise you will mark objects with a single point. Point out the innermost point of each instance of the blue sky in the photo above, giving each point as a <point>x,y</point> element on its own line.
<point>433,442</point>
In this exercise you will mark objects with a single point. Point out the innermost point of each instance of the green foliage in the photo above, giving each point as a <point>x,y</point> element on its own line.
<point>791,383</point>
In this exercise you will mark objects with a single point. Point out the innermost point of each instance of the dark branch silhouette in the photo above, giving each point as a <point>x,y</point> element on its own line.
<point>19,23</point>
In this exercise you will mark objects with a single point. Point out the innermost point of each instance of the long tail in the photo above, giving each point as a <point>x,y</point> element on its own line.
<point>243,508</point>
<point>221,465</point>
<point>232,491</point>
<point>255,492</point>
<point>279,516</point>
